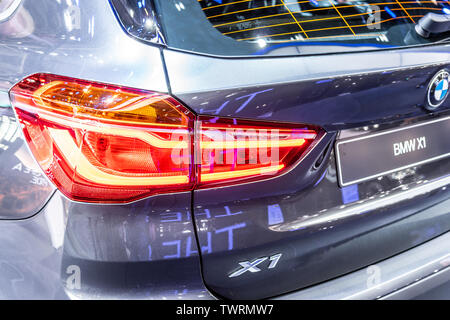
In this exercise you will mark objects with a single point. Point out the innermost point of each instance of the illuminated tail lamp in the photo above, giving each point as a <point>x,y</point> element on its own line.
<point>110,144</point>
<point>234,151</point>
<point>104,143</point>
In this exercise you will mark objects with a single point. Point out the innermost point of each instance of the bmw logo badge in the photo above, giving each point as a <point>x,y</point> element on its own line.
<point>438,89</point>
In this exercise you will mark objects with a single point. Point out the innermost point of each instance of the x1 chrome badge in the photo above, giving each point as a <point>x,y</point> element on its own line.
<point>252,265</point>
<point>438,90</point>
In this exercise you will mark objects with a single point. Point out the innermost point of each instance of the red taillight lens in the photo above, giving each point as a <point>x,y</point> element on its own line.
<point>105,143</point>
<point>239,151</point>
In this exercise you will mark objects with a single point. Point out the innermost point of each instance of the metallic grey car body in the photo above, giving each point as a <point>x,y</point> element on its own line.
<point>128,244</point>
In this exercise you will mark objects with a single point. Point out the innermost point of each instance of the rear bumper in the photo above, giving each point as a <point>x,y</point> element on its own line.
<point>32,268</point>
<point>404,276</point>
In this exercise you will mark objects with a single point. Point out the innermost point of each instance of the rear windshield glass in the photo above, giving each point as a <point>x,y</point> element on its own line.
<point>286,27</point>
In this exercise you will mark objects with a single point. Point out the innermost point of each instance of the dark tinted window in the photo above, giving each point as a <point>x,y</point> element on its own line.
<point>240,27</point>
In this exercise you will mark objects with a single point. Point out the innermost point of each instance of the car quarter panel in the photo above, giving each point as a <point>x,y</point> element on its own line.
<point>146,249</point>
<point>80,40</point>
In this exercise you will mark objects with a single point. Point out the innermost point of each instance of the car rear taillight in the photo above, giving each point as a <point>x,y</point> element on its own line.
<point>238,150</point>
<point>106,143</point>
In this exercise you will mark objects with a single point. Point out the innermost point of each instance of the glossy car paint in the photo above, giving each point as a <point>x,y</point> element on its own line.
<point>147,241</point>
<point>149,249</point>
<point>31,189</point>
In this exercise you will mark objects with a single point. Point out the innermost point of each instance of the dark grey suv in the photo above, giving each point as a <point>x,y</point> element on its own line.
<point>203,149</point>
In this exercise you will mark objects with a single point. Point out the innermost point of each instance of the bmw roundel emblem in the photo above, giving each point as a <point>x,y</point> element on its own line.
<point>438,89</point>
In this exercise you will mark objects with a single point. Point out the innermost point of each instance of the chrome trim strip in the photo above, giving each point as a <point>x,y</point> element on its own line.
<point>8,12</point>
<point>422,286</point>
<point>394,274</point>
<point>338,158</point>
<point>370,205</point>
